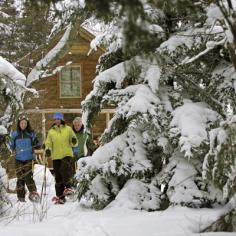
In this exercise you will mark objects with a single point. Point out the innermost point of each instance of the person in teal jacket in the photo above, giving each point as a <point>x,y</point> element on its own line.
<point>85,146</point>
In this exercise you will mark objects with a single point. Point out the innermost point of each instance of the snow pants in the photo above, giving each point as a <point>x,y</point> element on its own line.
<point>63,175</point>
<point>24,175</point>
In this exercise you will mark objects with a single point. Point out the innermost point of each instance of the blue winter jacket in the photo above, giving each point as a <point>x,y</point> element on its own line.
<point>23,143</point>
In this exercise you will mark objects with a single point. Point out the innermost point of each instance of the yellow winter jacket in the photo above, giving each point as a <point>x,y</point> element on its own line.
<point>59,141</point>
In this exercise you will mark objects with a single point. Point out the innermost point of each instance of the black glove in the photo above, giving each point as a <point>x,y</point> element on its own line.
<point>74,140</point>
<point>47,153</point>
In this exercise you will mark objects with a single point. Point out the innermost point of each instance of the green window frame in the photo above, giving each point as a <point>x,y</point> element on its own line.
<point>70,82</point>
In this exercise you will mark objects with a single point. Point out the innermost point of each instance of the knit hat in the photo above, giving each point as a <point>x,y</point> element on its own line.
<point>58,116</point>
<point>23,117</point>
<point>77,119</point>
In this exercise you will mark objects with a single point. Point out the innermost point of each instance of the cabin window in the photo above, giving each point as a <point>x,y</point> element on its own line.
<point>70,82</point>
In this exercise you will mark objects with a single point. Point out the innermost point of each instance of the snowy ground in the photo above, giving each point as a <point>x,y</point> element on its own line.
<point>72,219</point>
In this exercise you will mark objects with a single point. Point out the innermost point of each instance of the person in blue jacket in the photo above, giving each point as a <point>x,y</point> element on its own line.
<point>23,142</point>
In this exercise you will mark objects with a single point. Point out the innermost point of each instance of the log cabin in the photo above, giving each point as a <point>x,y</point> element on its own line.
<point>62,74</point>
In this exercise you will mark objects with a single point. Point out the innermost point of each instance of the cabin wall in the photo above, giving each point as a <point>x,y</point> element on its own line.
<point>49,87</point>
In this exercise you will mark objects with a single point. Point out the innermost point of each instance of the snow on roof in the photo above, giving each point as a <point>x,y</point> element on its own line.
<point>38,70</point>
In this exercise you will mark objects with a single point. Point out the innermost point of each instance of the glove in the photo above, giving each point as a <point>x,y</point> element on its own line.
<point>74,140</point>
<point>47,153</point>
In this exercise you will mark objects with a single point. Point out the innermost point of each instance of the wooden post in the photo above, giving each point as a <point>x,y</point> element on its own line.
<point>108,112</point>
<point>107,118</point>
<point>43,126</point>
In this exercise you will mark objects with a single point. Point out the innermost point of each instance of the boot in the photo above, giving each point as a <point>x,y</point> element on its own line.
<point>21,199</point>
<point>34,197</point>
<point>58,200</point>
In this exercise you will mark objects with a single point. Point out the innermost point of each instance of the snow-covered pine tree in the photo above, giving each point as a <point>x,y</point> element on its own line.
<point>26,26</point>
<point>194,54</point>
<point>33,26</point>
<point>130,148</point>
<point>4,201</point>
<point>12,88</point>
<point>8,36</point>
<point>163,72</point>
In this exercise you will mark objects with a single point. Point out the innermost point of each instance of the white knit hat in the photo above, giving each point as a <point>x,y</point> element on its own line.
<point>77,119</point>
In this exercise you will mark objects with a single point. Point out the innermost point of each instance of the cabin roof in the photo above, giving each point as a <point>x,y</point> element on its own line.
<point>42,58</point>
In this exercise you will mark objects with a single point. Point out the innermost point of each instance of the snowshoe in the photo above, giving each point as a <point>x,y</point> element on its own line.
<point>70,194</point>
<point>34,197</point>
<point>54,198</point>
<point>58,200</point>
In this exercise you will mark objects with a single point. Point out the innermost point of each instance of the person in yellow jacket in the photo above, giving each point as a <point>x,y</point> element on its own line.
<point>58,145</point>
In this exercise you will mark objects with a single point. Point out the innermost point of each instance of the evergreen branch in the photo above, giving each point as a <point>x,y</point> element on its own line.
<point>227,18</point>
<point>219,106</point>
<point>31,90</point>
<point>209,46</point>
<point>230,4</point>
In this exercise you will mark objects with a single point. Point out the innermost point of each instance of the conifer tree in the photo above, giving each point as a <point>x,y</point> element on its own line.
<point>25,26</point>
<point>8,36</point>
<point>12,87</point>
<point>169,70</point>
<point>34,26</point>
<point>184,64</point>
<point>4,201</point>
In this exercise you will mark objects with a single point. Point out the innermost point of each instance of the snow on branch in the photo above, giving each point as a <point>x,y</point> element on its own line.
<point>8,71</point>
<point>222,12</point>
<point>103,158</point>
<point>209,46</point>
<point>3,130</point>
<point>190,123</point>
<point>141,100</point>
<point>117,74</point>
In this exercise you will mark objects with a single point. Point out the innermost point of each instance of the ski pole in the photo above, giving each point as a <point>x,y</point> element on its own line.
<point>44,179</point>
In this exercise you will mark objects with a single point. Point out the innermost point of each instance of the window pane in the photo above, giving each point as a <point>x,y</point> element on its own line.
<point>70,82</point>
<point>75,74</point>
<point>70,90</point>
<point>65,74</point>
